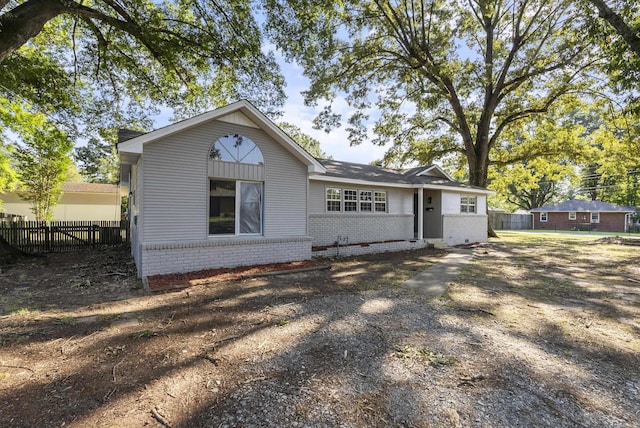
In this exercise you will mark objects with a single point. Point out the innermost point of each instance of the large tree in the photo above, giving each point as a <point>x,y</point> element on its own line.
<point>614,27</point>
<point>98,161</point>
<point>445,76</point>
<point>306,141</point>
<point>108,63</point>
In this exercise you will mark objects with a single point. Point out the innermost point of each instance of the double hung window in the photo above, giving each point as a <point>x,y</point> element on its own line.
<point>468,204</point>
<point>353,200</point>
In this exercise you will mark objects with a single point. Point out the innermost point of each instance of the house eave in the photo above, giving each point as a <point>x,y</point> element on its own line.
<point>332,179</point>
<point>136,144</point>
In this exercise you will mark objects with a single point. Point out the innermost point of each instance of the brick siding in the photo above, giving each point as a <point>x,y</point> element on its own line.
<point>175,257</point>
<point>359,228</point>
<point>609,222</point>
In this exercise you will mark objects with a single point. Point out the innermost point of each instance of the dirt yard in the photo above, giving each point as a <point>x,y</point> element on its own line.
<point>537,331</point>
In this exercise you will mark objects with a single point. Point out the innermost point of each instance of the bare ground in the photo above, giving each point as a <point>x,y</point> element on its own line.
<point>533,333</point>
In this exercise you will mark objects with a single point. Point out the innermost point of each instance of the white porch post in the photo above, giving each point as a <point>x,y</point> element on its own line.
<point>420,214</point>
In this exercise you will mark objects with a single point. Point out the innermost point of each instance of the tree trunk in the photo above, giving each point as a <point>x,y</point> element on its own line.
<point>25,21</point>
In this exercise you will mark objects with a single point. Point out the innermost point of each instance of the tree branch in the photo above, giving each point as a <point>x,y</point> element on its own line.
<point>630,35</point>
<point>25,21</point>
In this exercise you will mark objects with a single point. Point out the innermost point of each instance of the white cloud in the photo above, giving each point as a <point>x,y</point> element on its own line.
<point>335,143</point>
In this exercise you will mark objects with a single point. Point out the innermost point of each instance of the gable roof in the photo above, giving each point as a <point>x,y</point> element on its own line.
<point>132,148</point>
<point>580,205</point>
<point>356,173</point>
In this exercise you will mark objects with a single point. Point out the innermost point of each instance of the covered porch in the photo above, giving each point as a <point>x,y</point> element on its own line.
<point>427,210</point>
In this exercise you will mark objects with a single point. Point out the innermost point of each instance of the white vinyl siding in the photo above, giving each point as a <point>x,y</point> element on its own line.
<point>451,203</point>
<point>399,201</point>
<point>176,184</point>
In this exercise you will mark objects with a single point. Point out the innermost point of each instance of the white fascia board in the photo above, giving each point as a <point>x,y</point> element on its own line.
<point>359,182</point>
<point>135,145</point>
<point>440,170</point>
<point>459,189</point>
<point>340,180</point>
<point>279,135</point>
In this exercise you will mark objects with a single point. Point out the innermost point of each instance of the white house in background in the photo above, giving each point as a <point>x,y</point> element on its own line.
<point>229,188</point>
<point>79,202</point>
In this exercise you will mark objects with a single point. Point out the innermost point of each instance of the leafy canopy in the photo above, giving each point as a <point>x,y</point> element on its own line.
<point>436,77</point>
<point>307,142</point>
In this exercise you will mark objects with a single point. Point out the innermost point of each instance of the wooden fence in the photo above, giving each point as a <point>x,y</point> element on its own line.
<point>62,236</point>
<point>506,221</point>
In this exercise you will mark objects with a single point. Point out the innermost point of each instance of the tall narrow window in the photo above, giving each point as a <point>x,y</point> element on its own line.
<point>366,198</point>
<point>235,208</point>
<point>380,201</point>
<point>350,200</point>
<point>250,208</point>
<point>334,198</point>
<point>222,207</point>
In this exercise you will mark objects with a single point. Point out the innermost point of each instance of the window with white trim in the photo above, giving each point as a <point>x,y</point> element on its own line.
<point>235,207</point>
<point>236,148</point>
<point>572,215</point>
<point>380,199</point>
<point>543,217</point>
<point>366,204</point>
<point>334,199</point>
<point>350,200</point>
<point>468,204</point>
<point>595,217</point>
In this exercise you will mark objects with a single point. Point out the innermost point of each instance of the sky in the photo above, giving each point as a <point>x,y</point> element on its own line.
<point>334,144</point>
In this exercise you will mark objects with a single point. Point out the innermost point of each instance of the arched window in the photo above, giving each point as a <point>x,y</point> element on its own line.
<point>236,148</point>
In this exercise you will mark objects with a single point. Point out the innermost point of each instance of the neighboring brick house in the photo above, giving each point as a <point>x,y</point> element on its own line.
<point>577,214</point>
<point>229,188</point>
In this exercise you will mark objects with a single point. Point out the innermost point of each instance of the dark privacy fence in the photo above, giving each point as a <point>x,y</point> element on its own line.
<point>61,236</point>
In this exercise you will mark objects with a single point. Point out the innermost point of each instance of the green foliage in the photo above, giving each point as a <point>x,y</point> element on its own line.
<point>439,78</point>
<point>99,65</point>
<point>8,176</point>
<point>42,159</point>
<point>539,161</point>
<point>98,161</point>
<point>614,26</point>
<point>307,142</point>
<point>614,176</point>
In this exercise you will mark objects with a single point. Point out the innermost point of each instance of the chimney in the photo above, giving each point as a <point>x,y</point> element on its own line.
<point>125,134</point>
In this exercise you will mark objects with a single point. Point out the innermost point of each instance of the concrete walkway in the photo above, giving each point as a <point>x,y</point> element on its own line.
<point>435,279</point>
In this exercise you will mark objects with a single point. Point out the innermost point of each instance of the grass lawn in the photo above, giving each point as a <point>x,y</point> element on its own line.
<point>513,233</point>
